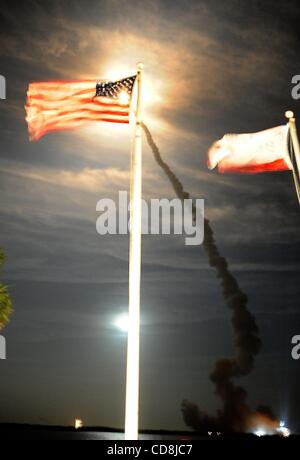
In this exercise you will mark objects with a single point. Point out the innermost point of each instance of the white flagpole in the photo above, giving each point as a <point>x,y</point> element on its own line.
<point>133,350</point>
<point>294,136</point>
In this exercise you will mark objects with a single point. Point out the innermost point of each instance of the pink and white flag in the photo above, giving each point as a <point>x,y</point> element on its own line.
<point>252,153</point>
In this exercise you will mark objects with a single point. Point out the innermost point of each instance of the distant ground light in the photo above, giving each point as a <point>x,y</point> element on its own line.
<point>282,430</point>
<point>78,424</point>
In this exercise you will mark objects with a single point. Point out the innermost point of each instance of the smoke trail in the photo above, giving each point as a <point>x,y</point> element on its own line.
<point>235,414</point>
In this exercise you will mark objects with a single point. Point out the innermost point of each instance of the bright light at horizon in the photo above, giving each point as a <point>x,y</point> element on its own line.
<point>260,433</point>
<point>283,430</point>
<point>78,424</point>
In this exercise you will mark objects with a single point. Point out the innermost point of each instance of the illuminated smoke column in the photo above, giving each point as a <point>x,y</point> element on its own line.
<point>235,414</point>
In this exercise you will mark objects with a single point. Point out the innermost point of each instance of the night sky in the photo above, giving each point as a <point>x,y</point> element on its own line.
<point>210,68</point>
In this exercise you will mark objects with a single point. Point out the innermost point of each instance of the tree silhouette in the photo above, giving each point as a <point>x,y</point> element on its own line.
<point>5,300</point>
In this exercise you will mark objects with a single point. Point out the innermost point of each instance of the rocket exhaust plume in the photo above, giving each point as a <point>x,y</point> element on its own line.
<point>235,415</point>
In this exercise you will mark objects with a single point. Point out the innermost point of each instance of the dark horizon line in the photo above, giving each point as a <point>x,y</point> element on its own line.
<point>69,428</point>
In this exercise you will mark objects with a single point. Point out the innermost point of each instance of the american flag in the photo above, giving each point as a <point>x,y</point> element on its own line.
<point>60,105</point>
<point>114,89</point>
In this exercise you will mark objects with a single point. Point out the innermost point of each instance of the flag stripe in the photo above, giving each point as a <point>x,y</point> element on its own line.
<point>56,91</point>
<point>53,105</point>
<point>87,117</point>
<point>90,112</point>
<point>75,123</point>
<point>278,165</point>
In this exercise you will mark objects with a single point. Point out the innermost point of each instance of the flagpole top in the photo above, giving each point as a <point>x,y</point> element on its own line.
<point>140,67</point>
<point>289,114</point>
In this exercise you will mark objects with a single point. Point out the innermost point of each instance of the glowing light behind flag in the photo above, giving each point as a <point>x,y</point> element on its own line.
<point>63,105</point>
<point>252,153</point>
